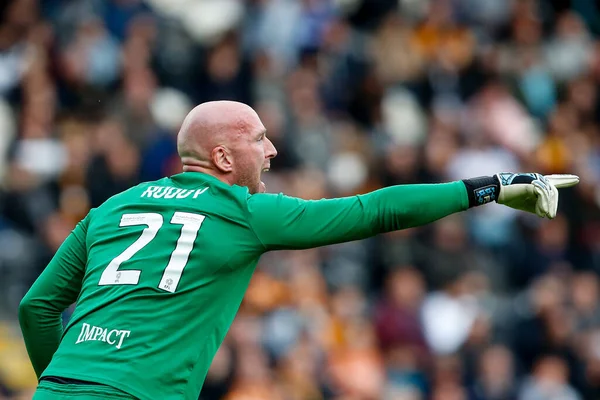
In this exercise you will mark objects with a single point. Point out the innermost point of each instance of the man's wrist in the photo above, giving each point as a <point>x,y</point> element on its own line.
<point>482,190</point>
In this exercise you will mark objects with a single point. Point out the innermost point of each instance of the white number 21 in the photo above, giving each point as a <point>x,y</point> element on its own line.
<point>191,224</point>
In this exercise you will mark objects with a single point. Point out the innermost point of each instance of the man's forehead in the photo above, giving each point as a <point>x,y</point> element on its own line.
<point>251,124</point>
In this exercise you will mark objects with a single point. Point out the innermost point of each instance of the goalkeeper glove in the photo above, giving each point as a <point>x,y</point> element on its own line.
<point>530,192</point>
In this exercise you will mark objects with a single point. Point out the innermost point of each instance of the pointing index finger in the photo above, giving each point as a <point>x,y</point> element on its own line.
<point>562,180</point>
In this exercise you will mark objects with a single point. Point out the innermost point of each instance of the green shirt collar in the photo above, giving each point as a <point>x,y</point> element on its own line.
<point>192,177</point>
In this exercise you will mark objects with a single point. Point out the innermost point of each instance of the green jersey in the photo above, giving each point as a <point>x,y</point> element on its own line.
<point>158,273</point>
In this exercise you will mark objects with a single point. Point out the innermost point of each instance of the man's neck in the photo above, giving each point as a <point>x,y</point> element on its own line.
<point>207,171</point>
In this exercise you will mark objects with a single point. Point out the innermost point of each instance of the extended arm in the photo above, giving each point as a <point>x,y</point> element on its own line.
<point>56,289</point>
<point>283,222</point>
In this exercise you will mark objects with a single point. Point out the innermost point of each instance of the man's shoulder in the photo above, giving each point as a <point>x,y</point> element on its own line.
<point>269,203</point>
<point>271,197</point>
<point>135,191</point>
<point>128,196</point>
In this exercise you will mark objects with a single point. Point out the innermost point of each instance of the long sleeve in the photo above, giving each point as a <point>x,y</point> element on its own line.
<point>282,222</point>
<point>55,289</point>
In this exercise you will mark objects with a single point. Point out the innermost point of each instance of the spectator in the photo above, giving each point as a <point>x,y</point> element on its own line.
<point>548,381</point>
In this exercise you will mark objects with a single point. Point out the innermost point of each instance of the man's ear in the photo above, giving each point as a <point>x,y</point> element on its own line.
<point>222,159</point>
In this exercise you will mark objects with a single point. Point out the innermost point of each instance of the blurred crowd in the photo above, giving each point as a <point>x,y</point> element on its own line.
<point>356,95</point>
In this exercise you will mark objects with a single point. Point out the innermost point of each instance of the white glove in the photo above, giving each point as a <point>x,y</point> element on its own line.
<point>532,192</point>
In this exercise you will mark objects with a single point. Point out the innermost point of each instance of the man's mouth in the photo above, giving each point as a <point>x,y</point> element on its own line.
<point>263,187</point>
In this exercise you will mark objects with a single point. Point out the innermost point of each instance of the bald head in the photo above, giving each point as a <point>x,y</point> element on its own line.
<point>225,139</point>
<point>212,124</point>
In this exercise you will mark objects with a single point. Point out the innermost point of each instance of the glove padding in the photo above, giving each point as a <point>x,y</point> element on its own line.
<point>532,192</point>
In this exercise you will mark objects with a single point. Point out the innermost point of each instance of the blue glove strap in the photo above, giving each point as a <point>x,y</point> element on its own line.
<point>507,178</point>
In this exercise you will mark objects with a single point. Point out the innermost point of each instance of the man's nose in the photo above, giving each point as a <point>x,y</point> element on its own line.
<point>271,151</point>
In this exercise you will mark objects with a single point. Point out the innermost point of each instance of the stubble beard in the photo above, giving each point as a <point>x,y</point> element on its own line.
<point>252,182</point>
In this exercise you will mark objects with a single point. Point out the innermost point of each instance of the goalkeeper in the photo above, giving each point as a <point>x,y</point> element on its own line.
<point>158,272</point>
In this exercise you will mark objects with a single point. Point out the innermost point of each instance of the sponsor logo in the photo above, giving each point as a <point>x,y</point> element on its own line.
<point>91,333</point>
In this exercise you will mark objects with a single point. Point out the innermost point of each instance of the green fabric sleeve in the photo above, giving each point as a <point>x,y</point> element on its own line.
<point>55,289</point>
<point>282,222</point>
